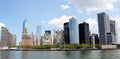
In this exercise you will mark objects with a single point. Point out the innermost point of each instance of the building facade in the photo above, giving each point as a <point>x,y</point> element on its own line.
<point>6,38</point>
<point>38,35</point>
<point>32,41</point>
<point>13,40</point>
<point>113,30</point>
<point>47,39</point>
<point>84,33</point>
<point>94,39</point>
<point>66,33</point>
<point>104,27</point>
<point>25,36</point>
<point>58,37</point>
<point>74,32</point>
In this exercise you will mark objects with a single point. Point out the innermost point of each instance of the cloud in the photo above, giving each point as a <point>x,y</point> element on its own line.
<point>93,25</point>
<point>59,21</point>
<point>94,4</point>
<point>2,24</point>
<point>63,6</point>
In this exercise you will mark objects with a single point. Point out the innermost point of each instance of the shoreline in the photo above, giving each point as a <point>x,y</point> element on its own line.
<point>55,49</point>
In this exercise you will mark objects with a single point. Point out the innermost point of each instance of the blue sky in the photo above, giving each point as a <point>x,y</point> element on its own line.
<point>51,14</point>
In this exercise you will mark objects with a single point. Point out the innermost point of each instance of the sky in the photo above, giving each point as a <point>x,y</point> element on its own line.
<point>51,14</point>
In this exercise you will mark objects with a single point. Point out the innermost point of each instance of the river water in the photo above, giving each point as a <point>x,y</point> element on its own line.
<point>91,54</point>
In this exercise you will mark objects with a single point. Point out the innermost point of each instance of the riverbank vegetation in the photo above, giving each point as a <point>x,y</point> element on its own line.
<point>61,46</point>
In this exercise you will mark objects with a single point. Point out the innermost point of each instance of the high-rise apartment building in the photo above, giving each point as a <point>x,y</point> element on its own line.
<point>6,38</point>
<point>74,32</point>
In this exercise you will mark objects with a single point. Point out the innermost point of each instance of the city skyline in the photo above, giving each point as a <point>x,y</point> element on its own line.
<point>52,14</point>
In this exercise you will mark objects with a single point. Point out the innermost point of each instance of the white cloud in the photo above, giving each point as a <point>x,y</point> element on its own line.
<point>2,24</point>
<point>63,6</point>
<point>93,25</point>
<point>94,4</point>
<point>59,21</point>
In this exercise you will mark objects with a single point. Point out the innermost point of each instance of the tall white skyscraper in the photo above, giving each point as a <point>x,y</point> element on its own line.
<point>117,23</point>
<point>38,35</point>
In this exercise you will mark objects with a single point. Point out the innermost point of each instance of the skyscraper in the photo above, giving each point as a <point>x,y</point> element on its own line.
<point>112,27</point>
<point>6,37</point>
<point>25,26</point>
<point>25,36</point>
<point>66,33</point>
<point>32,39</point>
<point>84,33</point>
<point>104,27</point>
<point>113,30</point>
<point>47,40</point>
<point>74,33</point>
<point>13,40</point>
<point>94,39</point>
<point>58,37</point>
<point>38,35</point>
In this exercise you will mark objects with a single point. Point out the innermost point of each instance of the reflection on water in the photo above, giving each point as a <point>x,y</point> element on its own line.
<point>93,54</point>
<point>3,55</point>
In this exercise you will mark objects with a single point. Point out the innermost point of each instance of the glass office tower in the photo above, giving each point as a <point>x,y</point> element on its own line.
<point>38,35</point>
<point>66,33</point>
<point>74,33</point>
<point>104,27</point>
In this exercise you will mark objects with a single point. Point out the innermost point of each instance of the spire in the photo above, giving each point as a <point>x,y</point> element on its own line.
<point>25,26</point>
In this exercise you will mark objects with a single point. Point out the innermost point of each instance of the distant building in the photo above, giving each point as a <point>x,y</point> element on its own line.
<point>6,38</point>
<point>66,33</point>
<point>94,39</point>
<point>38,35</point>
<point>74,32</point>
<point>58,37</point>
<point>47,39</point>
<point>104,28</point>
<point>47,32</point>
<point>13,40</point>
<point>110,37</point>
<point>32,39</point>
<point>25,36</point>
<point>84,33</point>
<point>113,30</point>
<point>113,27</point>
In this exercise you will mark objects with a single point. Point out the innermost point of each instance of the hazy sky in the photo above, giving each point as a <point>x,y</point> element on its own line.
<point>51,14</point>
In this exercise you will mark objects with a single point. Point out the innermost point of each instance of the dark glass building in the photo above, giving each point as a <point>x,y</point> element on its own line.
<point>47,32</point>
<point>84,33</point>
<point>66,33</point>
<point>94,39</point>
